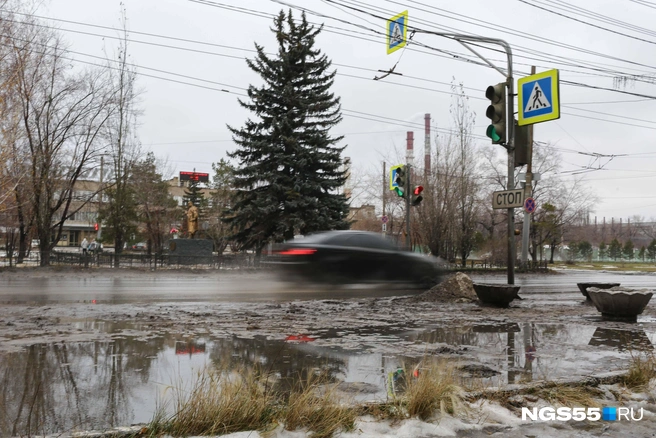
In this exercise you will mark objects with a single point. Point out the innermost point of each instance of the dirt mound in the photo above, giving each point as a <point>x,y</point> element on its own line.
<point>457,288</point>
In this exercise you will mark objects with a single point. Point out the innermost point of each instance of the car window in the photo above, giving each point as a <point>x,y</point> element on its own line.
<point>312,238</point>
<point>344,240</point>
<point>375,242</point>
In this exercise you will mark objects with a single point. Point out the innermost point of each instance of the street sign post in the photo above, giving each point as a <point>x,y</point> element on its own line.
<point>529,205</point>
<point>397,31</point>
<point>538,98</point>
<point>508,199</point>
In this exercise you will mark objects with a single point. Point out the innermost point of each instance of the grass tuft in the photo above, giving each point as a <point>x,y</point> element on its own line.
<point>313,405</point>
<point>429,389</point>
<point>641,370</point>
<point>434,389</point>
<point>221,402</point>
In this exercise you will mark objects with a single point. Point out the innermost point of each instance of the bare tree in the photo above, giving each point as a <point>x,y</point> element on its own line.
<point>467,185</point>
<point>448,216</point>
<point>62,116</point>
<point>119,213</point>
<point>14,192</point>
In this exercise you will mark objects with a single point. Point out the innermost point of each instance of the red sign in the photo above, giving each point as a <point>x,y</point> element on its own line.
<point>529,205</point>
<point>189,348</point>
<point>195,176</point>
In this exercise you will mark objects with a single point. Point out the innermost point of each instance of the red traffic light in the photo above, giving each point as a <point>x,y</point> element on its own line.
<point>416,196</point>
<point>95,226</point>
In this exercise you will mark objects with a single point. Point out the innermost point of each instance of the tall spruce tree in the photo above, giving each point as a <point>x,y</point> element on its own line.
<point>289,166</point>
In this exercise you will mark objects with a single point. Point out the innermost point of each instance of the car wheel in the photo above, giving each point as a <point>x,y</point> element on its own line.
<point>427,282</point>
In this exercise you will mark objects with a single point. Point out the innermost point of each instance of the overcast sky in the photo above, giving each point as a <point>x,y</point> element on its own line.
<point>185,116</point>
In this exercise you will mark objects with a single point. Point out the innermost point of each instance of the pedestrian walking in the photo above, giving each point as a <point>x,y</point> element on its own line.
<point>84,245</point>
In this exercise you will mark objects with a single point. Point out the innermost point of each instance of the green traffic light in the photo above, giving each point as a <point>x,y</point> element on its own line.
<point>398,191</point>
<point>492,133</point>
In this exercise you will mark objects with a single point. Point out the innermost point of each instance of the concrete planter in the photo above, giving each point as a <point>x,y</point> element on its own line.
<point>499,295</point>
<point>620,303</point>
<point>583,287</point>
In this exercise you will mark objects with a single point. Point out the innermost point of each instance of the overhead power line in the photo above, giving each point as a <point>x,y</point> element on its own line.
<point>644,3</point>
<point>484,24</point>
<point>569,17</point>
<point>419,125</point>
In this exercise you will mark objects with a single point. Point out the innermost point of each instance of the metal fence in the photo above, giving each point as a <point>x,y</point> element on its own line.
<point>223,261</point>
<point>143,261</point>
<point>485,264</point>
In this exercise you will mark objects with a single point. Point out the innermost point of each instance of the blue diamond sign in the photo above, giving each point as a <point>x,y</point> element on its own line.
<point>538,98</point>
<point>397,31</point>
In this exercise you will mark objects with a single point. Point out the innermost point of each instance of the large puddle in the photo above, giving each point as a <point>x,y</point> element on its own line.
<point>54,388</point>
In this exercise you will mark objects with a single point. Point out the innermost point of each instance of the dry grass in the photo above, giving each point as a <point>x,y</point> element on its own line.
<point>313,405</point>
<point>222,402</point>
<point>428,389</point>
<point>641,370</point>
<point>570,395</point>
<point>435,388</point>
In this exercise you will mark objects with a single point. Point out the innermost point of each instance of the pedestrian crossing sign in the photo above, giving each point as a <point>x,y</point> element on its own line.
<point>538,98</point>
<point>397,31</point>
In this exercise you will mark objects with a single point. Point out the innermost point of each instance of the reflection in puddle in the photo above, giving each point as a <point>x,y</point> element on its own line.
<point>62,387</point>
<point>622,340</point>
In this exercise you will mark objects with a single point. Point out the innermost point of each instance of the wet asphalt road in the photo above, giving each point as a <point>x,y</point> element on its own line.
<point>112,287</point>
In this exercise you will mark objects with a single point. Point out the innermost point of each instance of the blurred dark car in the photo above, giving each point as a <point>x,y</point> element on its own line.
<point>141,246</point>
<point>352,256</point>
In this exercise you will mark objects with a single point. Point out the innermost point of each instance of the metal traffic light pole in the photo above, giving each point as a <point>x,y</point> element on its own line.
<point>408,195</point>
<point>528,193</point>
<point>510,125</point>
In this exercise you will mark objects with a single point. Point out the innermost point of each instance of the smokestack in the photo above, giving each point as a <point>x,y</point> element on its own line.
<point>410,143</point>
<point>346,167</point>
<point>427,147</point>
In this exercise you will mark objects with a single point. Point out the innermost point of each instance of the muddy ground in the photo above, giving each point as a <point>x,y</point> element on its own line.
<point>22,324</point>
<point>345,323</point>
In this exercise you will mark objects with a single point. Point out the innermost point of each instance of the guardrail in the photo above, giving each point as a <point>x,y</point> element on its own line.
<point>223,261</point>
<point>143,261</point>
<point>473,264</point>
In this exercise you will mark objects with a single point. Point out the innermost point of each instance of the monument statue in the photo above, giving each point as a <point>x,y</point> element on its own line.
<point>192,219</point>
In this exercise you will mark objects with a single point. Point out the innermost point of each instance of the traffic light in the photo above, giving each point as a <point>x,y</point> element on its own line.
<point>95,226</point>
<point>496,112</point>
<point>521,145</point>
<point>398,180</point>
<point>416,196</point>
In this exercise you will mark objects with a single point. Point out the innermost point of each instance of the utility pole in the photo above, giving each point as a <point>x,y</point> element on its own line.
<point>100,197</point>
<point>408,241</point>
<point>384,225</point>
<point>528,191</point>
<point>409,158</point>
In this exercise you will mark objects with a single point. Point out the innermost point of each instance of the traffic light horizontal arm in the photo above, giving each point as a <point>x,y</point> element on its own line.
<point>483,58</point>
